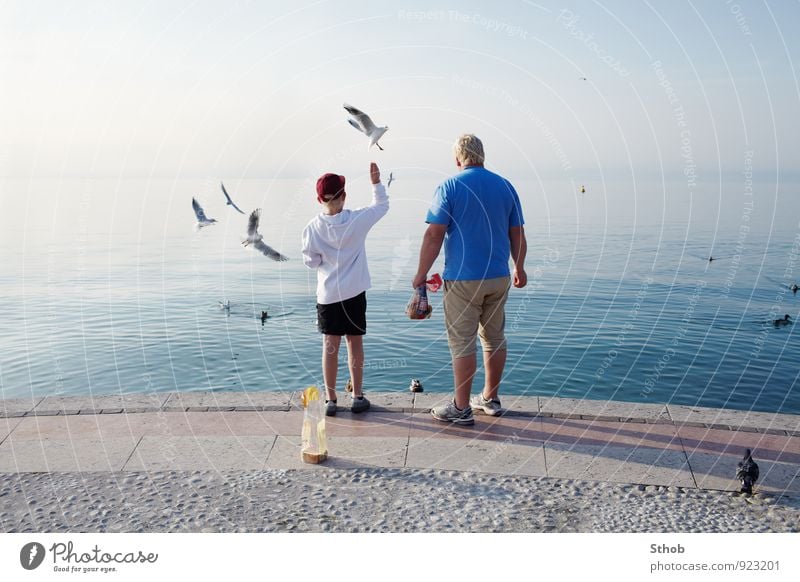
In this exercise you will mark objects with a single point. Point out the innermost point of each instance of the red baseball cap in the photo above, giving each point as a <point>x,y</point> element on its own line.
<point>329,187</point>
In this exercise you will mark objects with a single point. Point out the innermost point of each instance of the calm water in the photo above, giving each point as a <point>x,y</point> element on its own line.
<point>107,289</point>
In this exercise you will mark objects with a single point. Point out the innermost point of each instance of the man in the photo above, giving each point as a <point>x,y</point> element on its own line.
<point>477,215</point>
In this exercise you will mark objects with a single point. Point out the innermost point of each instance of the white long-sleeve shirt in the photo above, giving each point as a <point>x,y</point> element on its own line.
<point>334,246</point>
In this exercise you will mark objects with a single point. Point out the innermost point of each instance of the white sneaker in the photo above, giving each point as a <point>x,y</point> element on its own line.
<point>490,407</point>
<point>449,413</point>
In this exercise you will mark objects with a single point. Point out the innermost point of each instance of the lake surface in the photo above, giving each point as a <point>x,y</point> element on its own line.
<point>108,289</point>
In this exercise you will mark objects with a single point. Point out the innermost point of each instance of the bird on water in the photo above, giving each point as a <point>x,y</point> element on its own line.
<point>784,321</point>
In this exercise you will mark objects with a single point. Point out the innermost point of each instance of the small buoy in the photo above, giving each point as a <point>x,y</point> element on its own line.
<point>416,385</point>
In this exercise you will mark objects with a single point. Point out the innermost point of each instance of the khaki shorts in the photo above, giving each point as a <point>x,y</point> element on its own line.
<point>475,308</point>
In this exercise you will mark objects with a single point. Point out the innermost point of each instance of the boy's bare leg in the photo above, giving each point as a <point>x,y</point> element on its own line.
<point>355,359</point>
<point>330,363</point>
<point>494,363</point>
<point>463,372</point>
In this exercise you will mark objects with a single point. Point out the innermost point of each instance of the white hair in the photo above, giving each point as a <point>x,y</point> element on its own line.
<point>468,150</point>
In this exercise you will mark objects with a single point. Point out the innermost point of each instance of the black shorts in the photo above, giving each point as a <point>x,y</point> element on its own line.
<point>348,317</point>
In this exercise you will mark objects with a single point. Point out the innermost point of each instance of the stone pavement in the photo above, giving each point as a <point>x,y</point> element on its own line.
<point>615,442</point>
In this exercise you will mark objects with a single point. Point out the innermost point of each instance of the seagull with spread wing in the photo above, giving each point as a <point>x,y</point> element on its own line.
<point>254,238</point>
<point>202,219</point>
<point>230,202</point>
<point>364,124</point>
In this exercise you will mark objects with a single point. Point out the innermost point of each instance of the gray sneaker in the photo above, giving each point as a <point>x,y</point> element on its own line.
<point>449,413</point>
<point>359,405</point>
<point>330,408</point>
<point>490,407</point>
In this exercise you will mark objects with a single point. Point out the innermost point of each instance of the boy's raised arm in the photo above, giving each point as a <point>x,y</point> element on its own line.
<point>380,198</point>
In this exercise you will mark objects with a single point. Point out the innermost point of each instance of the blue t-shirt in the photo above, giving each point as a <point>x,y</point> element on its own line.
<point>478,207</point>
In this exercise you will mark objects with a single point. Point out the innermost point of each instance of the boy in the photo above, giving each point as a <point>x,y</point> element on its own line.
<point>333,244</point>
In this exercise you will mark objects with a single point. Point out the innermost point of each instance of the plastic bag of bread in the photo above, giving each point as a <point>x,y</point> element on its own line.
<point>418,306</point>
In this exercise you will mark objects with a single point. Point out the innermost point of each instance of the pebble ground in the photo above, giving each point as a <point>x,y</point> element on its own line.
<point>372,500</point>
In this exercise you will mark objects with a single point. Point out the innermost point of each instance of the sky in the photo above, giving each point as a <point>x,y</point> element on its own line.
<point>183,89</point>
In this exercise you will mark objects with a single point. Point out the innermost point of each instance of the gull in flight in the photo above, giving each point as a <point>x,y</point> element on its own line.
<point>391,179</point>
<point>257,240</point>
<point>364,124</point>
<point>230,202</point>
<point>202,219</point>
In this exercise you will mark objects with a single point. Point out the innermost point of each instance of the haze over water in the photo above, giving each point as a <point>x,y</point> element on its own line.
<point>117,294</point>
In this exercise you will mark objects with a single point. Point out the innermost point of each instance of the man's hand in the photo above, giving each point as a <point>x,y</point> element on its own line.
<point>419,280</point>
<point>374,173</point>
<point>520,278</point>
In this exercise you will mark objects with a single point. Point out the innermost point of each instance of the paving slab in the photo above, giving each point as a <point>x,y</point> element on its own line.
<point>379,402</point>
<point>228,431</point>
<point>343,453</point>
<point>603,409</point>
<point>158,423</point>
<point>713,471</point>
<point>735,419</point>
<point>29,455</point>
<point>618,464</point>
<point>486,428</point>
<point>570,431</point>
<point>506,457</point>
<point>424,401</point>
<point>8,424</point>
<point>219,424</point>
<point>101,402</point>
<point>733,443</point>
<point>390,401</point>
<point>527,405</point>
<point>194,453</point>
<point>17,406</point>
<point>230,400</point>
<point>77,427</point>
<point>366,424</point>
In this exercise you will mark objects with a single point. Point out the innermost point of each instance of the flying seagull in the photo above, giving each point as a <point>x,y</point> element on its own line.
<point>391,178</point>
<point>747,472</point>
<point>202,219</point>
<point>364,124</point>
<point>230,202</point>
<point>256,239</point>
<point>711,258</point>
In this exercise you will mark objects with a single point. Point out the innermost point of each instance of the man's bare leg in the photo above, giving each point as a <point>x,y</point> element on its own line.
<point>463,372</point>
<point>494,363</point>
